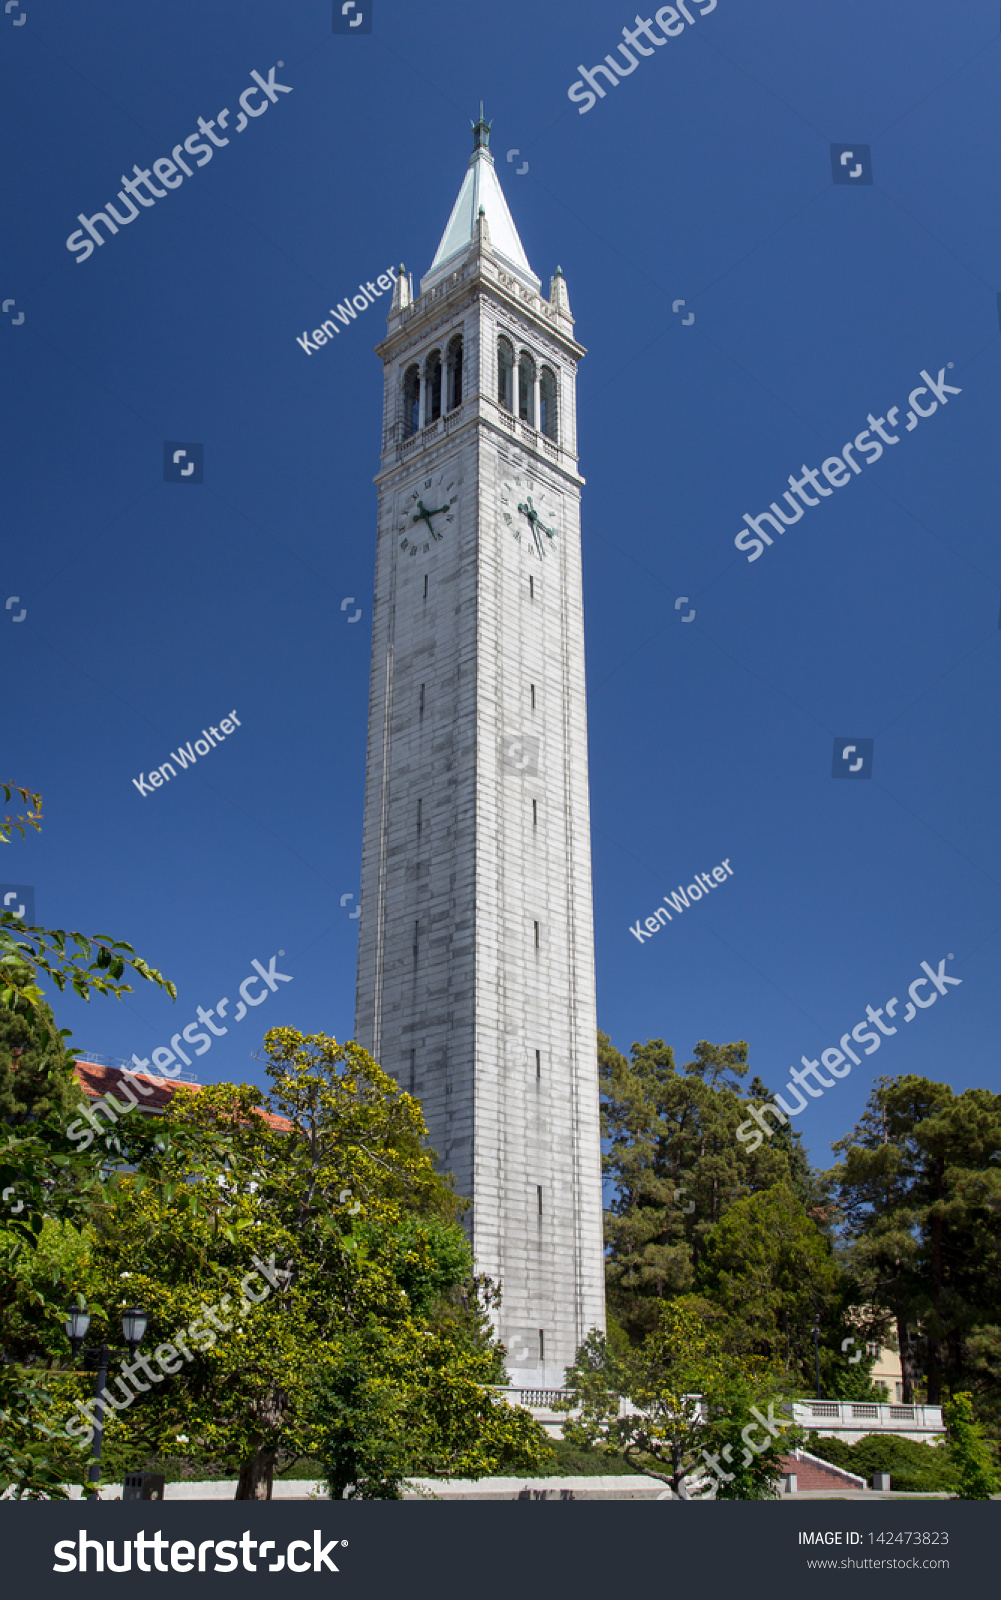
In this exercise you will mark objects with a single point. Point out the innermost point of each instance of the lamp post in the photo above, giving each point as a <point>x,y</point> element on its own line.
<point>816,1352</point>
<point>134,1322</point>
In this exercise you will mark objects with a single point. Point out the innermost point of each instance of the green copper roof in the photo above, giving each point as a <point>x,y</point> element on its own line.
<point>481,189</point>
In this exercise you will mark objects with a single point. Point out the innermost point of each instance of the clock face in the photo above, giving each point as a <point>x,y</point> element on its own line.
<point>426,511</point>
<point>530,512</point>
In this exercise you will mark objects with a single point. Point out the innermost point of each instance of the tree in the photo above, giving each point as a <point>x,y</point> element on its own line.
<point>24,951</point>
<point>44,1181</point>
<point>329,1257</point>
<point>920,1186</point>
<point>676,1402</point>
<point>971,1453</point>
<point>36,1070</point>
<point>771,1270</point>
<point>406,1402</point>
<point>677,1166</point>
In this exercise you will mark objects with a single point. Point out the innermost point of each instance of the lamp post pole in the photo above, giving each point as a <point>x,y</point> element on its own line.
<point>133,1327</point>
<point>816,1352</point>
<point>100,1403</point>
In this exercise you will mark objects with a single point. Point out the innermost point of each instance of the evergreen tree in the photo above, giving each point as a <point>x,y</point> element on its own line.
<point>920,1187</point>
<point>37,1080</point>
<point>677,1166</point>
<point>772,1272</point>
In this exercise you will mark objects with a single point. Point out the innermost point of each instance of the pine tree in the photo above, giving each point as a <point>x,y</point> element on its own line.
<point>37,1079</point>
<point>677,1166</point>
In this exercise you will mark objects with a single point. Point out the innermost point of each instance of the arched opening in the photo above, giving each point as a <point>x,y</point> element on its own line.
<point>526,389</point>
<point>505,374</point>
<point>411,401</point>
<point>454,374</point>
<point>432,389</point>
<point>547,404</point>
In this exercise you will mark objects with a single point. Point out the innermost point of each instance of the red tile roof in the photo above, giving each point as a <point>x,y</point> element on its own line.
<point>96,1081</point>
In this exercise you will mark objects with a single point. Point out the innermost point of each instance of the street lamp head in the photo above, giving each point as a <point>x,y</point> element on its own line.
<point>134,1326</point>
<point>77,1323</point>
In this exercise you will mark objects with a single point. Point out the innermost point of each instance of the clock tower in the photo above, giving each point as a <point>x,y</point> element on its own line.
<point>476,947</point>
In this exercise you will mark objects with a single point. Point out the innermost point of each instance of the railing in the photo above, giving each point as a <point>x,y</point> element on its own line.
<point>431,295</point>
<point>850,1413</point>
<point>441,425</point>
<point>539,1399</point>
<point>91,1058</point>
<point>546,1399</point>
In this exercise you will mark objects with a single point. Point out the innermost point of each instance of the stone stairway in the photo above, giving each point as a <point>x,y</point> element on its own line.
<point>813,1473</point>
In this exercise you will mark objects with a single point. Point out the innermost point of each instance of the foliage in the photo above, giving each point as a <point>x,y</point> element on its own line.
<point>24,950</point>
<point>771,1271</point>
<point>370,1267</point>
<point>583,1461</point>
<point>36,1459</point>
<point>677,1166</point>
<point>46,949</point>
<point>671,1403</point>
<point>914,1467</point>
<point>407,1402</point>
<point>920,1186</point>
<point>36,1071</point>
<point>975,1464</point>
<point>32,816</point>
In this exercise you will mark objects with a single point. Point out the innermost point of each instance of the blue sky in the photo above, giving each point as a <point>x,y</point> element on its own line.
<point>155,608</point>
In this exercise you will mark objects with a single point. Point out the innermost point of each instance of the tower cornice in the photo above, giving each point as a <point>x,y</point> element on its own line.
<point>480,274</point>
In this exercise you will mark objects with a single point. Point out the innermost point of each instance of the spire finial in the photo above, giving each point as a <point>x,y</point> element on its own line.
<point>481,132</point>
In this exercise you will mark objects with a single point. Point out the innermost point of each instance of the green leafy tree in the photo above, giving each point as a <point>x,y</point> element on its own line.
<point>920,1189</point>
<point>970,1451</point>
<point>45,1182</point>
<point>366,1263</point>
<point>409,1402</point>
<point>675,1403</point>
<point>772,1272</point>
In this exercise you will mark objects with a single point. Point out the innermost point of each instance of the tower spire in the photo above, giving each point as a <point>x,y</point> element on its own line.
<point>481,132</point>
<point>480,193</point>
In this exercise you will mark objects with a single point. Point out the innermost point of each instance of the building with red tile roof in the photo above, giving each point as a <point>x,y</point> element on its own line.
<point>102,1075</point>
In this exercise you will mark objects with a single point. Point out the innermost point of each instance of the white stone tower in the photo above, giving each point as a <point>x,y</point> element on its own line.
<point>476,948</point>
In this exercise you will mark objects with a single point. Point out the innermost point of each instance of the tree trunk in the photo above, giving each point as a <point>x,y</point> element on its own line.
<point>255,1475</point>
<point>933,1373</point>
<point>906,1359</point>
